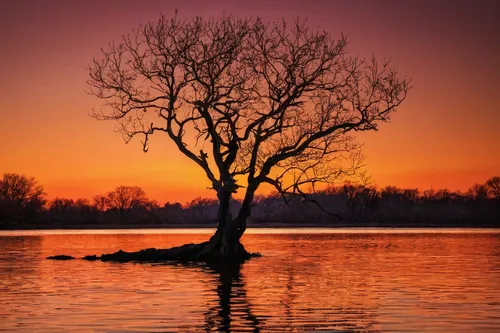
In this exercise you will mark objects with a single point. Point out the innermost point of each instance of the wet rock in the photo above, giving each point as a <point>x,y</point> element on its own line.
<point>91,258</point>
<point>61,257</point>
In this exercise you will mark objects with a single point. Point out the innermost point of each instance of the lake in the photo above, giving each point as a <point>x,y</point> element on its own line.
<point>330,280</point>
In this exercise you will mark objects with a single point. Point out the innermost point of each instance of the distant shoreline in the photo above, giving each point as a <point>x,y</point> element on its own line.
<point>250,225</point>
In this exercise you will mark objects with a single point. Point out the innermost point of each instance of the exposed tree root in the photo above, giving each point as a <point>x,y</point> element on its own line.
<point>183,253</point>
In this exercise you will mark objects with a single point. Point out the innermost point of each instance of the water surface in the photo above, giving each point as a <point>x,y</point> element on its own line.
<point>445,280</point>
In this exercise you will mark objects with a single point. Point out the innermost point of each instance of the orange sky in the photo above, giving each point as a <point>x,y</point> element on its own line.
<point>445,134</point>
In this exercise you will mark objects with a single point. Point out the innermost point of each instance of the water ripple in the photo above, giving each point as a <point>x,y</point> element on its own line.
<point>325,282</point>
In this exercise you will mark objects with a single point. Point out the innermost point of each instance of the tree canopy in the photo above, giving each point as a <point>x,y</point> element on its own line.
<point>20,197</point>
<point>275,102</point>
<point>125,199</point>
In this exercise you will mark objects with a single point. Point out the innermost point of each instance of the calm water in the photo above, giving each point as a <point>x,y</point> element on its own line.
<point>331,280</point>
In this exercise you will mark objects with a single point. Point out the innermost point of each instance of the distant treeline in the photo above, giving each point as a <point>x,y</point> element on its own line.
<point>23,203</point>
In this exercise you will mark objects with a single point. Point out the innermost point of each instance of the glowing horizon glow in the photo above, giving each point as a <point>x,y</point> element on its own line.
<point>444,135</point>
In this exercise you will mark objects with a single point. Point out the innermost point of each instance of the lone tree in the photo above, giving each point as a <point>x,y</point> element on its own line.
<point>249,102</point>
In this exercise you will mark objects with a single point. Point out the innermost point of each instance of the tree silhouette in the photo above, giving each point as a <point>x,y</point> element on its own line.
<point>20,197</point>
<point>478,192</point>
<point>247,101</point>
<point>99,203</point>
<point>231,288</point>
<point>68,211</point>
<point>126,199</point>
<point>62,209</point>
<point>493,186</point>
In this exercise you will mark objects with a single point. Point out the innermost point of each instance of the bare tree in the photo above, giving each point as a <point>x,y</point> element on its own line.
<point>126,199</point>
<point>247,101</point>
<point>493,186</point>
<point>100,203</point>
<point>70,211</point>
<point>62,209</point>
<point>478,192</point>
<point>20,197</point>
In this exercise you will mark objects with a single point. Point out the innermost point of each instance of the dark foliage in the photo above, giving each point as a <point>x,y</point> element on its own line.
<point>347,205</point>
<point>21,198</point>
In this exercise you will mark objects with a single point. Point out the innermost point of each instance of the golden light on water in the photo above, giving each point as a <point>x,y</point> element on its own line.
<point>369,282</point>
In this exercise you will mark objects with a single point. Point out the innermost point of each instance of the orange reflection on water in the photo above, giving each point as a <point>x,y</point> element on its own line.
<point>365,282</point>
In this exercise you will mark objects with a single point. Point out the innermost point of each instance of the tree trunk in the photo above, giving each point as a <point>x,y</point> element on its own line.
<point>226,240</point>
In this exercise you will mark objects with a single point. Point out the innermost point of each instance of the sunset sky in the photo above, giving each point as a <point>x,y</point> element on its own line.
<point>445,135</point>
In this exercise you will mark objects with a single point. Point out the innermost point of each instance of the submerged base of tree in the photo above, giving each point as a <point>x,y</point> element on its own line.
<point>183,253</point>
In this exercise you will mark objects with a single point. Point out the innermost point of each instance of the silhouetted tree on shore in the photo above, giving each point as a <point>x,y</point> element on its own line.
<point>61,209</point>
<point>274,103</point>
<point>493,187</point>
<point>125,199</point>
<point>69,211</point>
<point>355,204</point>
<point>478,192</point>
<point>390,206</point>
<point>100,203</point>
<point>21,198</point>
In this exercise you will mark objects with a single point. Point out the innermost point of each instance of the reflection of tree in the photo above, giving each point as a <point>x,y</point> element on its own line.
<point>231,290</point>
<point>304,308</point>
<point>290,295</point>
